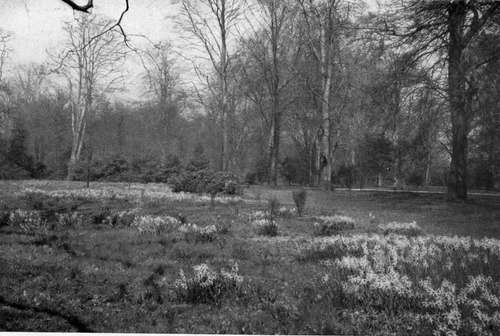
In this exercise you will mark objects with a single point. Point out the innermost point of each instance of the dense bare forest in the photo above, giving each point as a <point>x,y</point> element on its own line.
<point>323,93</point>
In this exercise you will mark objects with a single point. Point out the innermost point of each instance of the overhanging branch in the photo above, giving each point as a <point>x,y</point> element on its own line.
<point>80,8</point>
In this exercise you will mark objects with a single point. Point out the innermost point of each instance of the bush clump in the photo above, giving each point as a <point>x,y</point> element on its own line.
<point>29,222</point>
<point>406,229</point>
<point>205,181</point>
<point>206,285</point>
<point>331,225</point>
<point>300,197</point>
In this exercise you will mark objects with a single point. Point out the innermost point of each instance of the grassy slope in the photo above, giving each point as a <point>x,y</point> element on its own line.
<point>106,279</point>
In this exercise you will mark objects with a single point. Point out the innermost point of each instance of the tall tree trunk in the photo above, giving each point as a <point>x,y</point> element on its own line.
<point>325,140</point>
<point>457,182</point>
<point>325,152</point>
<point>275,95</point>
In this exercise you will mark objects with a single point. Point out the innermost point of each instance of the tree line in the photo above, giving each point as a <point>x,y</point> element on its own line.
<point>312,92</point>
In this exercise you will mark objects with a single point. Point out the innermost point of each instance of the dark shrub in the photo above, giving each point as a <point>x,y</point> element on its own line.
<point>300,197</point>
<point>273,206</point>
<point>4,218</point>
<point>198,161</point>
<point>204,181</point>
<point>294,170</point>
<point>345,176</point>
<point>101,215</point>
<point>251,178</point>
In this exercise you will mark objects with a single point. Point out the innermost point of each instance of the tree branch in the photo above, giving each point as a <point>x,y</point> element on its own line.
<point>80,8</point>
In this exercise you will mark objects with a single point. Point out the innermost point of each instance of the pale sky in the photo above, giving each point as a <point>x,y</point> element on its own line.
<point>37,24</point>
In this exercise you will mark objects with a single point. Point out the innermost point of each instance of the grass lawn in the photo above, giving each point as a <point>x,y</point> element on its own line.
<point>95,276</point>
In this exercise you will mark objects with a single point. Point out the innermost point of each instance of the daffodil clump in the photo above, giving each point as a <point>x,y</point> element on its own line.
<point>29,222</point>
<point>407,229</point>
<point>331,225</point>
<point>73,219</point>
<point>443,285</point>
<point>195,233</point>
<point>287,212</point>
<point>123,218</point>
<point>266,227</point>
<point>155,225</point>
<point>206,285</point>
<point>257,215</point>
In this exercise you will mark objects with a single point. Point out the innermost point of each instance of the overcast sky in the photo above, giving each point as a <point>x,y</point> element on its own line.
<point>37,24</point>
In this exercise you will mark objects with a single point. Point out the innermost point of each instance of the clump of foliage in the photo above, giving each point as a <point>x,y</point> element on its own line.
<point>29,222</point>
<point>406,229</point>
<point>155,225</point>
<point>273,208</point>
<point>101,215</point>
<point>36,200</point>
<point>207,286</point>
<point>295,170</point>
<point>223,226</point>
<point>287,212</point>
<point>346,176</point>
<point>198,234</point>
<point>73,219</point>
<point>122,218</point>
<point>119,169</point>
<point>300,197</point>
<point>266,227</point>
<point>4,218</point>
<point>205,181</point>
<point>331,225</point>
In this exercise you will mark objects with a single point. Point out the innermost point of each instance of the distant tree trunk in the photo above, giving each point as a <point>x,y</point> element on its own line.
<point>427,178</point>
<point>275,141</point>
<point>457,183</point>
<point>79,124</point>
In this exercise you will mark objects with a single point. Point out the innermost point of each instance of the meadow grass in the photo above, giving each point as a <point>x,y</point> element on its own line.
<point>103,277</point>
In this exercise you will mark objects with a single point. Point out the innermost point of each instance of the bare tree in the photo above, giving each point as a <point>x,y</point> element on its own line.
<point>321,16</point>
<point>275,16</point>
<point>85,8</point>
<point>162,80</point>
<point>90,65</point>
<point>211,22</point>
